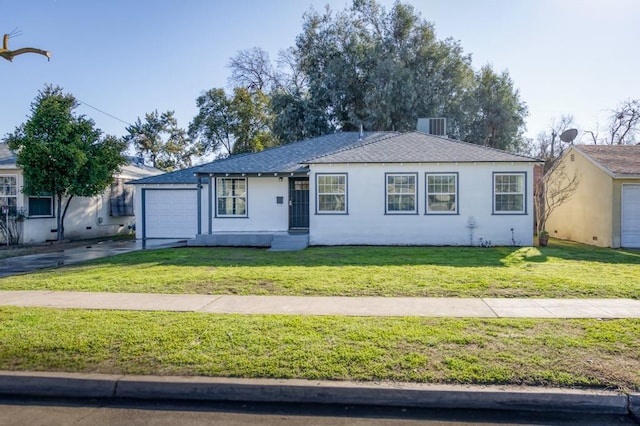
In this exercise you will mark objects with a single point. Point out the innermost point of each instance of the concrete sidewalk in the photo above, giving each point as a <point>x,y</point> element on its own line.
<point>347,306</point>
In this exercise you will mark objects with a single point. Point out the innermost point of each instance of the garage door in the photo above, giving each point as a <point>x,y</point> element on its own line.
<point>170,213</point>
<point>631,216</point>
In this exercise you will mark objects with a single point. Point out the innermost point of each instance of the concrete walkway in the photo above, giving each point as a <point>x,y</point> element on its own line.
<point>347,306</point>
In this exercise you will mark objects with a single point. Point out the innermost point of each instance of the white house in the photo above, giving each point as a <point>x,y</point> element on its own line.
<point>383,188</point>
<point>107,214</point>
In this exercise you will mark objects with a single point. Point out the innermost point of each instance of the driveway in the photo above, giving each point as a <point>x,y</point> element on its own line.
<point>33,262</point>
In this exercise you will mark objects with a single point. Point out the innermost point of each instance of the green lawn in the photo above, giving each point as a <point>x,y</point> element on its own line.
<point>588,353</point>
<point>564,270</point>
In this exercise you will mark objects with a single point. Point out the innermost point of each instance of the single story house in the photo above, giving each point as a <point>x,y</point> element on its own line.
<point>350,188</point>
<point>107,214</point>
<point>605,208</point>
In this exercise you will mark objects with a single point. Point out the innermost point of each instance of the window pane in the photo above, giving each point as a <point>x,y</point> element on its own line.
<point>509,192</point>
<point>232,199</point>
<point>401,193</point>
<point>332,191</point>
<point>40,206</point>
<point>441,193</point>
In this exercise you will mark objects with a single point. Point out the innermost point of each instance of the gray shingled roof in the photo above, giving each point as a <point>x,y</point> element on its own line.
<point>289,158</point>
<point>345,147</point>
<point>184,176</point>
<point>618,159</point>
<point>7,157</point>
<point>281,159</point>
<point>417,147</point>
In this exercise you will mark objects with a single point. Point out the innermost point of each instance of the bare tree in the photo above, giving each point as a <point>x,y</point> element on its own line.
<point>554,189</point>
<point>252,69</point>
<point>548,146</point>
<point>624,124</point>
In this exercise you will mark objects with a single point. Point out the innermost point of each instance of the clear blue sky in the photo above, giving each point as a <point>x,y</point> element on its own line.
<point>130,57</point>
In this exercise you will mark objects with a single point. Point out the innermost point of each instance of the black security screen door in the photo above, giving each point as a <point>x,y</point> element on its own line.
<point>298,203</point>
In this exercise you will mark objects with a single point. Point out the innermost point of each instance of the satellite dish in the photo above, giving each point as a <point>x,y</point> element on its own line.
<point>569,135</point>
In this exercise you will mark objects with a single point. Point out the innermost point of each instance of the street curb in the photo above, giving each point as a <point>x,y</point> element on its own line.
<point>634,406</point>
<point>309,391</point>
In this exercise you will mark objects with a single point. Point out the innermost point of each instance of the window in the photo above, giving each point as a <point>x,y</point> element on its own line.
<point>331,193</point>
<point>9,193</point>
<point>232,197</point>
<point>121,199</point>
<point>442,193</point>
<point>508,193</point>
<point>401,193</point>
<point>41,206</point>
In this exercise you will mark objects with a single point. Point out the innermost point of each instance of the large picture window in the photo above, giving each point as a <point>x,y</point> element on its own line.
<point>41,206</point>
<point>509,193</point>
<point>232,197</point>
<point>9,193</point>
<point>442,193</point>
<point>331,193</point>
<point>401,193</point>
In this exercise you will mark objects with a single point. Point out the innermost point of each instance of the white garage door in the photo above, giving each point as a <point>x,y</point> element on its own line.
<point>631,216</point>
<point>170,213</point>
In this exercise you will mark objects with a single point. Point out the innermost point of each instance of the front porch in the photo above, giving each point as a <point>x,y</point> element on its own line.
<point>276,241</point>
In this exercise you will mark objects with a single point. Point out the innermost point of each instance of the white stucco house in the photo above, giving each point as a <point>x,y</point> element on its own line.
<point>382,188</point>
<point>107,214</point>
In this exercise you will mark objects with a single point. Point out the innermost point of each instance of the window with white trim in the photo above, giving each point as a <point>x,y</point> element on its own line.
<point>9,193</point>
<point>401,192</point>
<point>442,193</point>
<point>231,197</point>
<point>331,193</point>
<point>508,193</point>
<point>41,206</point>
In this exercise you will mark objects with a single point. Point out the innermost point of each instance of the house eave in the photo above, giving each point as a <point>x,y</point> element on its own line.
<point>254,174</point>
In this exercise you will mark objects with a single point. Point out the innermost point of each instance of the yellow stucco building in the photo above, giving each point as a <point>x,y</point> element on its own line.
<point>605,208</point>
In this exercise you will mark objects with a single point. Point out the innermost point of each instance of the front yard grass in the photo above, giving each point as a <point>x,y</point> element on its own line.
<point>562,270</point>
<point>565,353</point>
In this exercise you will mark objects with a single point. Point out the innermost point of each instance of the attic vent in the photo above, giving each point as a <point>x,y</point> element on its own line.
<point>433,126</point>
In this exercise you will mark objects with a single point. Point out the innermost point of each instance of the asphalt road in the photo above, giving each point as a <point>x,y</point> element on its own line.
<point>34,412</point>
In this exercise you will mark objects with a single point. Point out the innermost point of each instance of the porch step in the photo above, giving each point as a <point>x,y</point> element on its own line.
<point>289,242</point>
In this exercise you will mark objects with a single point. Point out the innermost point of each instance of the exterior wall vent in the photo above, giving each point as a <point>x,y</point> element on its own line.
<point>433,126</point>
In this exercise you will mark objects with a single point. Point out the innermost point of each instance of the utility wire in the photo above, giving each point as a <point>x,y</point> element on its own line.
<point>105,113</point>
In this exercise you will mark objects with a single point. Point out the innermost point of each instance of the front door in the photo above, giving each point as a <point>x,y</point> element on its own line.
<point>299,203</point>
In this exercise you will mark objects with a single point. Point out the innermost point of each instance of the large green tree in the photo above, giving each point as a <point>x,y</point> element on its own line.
<point>62,153</point>
<point>160,141</point>
<point>381,69</point>
<point>233,125</point>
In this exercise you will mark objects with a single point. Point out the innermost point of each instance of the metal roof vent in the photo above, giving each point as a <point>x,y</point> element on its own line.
<point>432,126</point>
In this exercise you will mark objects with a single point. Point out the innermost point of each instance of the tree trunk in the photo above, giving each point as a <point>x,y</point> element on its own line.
<point>61,215</point>
<point>59,230</point>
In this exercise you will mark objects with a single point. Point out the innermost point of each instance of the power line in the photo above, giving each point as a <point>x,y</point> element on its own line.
<point>105,113</point>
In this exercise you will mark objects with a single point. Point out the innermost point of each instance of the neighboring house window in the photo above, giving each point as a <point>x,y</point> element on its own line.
<point>508,193</point>
<point>442,193</point>
<point>232,197</point>
<point>121,199</point>
<point>401,193</point>
<point>331,193</point>
<point>41,206</point>
<point>9,193</point>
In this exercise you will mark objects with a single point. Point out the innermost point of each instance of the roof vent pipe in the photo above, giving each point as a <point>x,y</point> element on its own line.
<point>361,131</point>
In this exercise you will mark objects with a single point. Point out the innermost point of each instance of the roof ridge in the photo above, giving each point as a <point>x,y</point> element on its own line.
<point>385,135</point>
<point>476,145</point>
